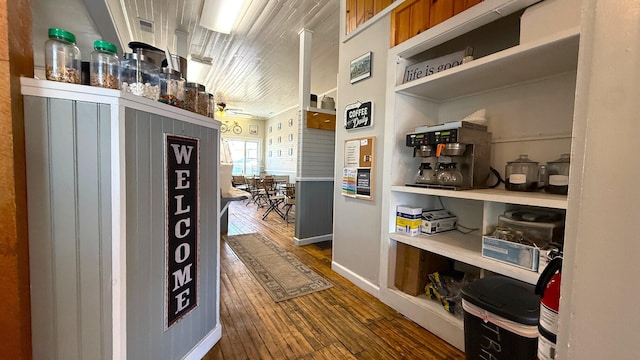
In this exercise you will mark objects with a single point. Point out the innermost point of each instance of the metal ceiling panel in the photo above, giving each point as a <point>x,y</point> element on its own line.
<point>255,68</point>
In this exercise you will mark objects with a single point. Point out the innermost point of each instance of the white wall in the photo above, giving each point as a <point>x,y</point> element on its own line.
<point>356,232</point>
<point>598,310</point>
<point>281,134</point>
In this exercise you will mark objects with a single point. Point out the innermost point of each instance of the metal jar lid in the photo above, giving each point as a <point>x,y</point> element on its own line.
<point>172,72</point>
<point>199,87</point>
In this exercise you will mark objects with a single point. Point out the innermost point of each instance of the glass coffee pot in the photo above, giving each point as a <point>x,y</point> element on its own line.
<point>522,174</point>
<point>449,175</point>
<point>426,175</point>
<point>558,171</point>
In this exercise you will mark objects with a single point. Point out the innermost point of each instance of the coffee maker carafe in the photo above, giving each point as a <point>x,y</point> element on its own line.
<point>454,156</point>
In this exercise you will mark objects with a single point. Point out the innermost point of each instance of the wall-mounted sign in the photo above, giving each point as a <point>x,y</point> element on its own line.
<point>182,157</point>
<point>358,115</point>
<point>432,66</point>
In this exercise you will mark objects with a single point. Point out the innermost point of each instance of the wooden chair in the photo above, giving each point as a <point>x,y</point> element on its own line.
<point>289,200</point>
<point>238,181</point>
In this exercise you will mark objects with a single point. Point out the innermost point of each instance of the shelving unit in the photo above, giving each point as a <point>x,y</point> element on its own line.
<point>540,199</point>
<point>533,61</point>
<point>528,90</point>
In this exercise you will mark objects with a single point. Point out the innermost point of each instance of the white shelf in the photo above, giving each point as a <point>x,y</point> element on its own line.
<point>531,61</point>
<point>426,304</point>
<point>467,249</point>
<point>321,111</point>
<point>496,195</point>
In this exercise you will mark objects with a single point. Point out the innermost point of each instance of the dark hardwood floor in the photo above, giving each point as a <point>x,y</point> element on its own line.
<point>343,322</point>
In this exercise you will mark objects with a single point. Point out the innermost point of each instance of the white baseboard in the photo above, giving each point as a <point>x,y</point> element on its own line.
<point>207,343</point>
<point>358,280</point>
<point>312,240</point>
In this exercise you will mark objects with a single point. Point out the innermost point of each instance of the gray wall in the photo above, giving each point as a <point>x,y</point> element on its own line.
<point>360,234</point>
<point>145,191</point>
<point>69,197</point>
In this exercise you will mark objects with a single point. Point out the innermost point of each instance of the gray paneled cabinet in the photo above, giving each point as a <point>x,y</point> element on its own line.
<point>99,186</point>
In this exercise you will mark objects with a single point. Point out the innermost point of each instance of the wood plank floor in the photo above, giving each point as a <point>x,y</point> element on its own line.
<point>343,322</point>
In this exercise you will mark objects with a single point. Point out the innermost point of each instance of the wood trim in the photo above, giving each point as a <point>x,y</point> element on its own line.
<point>16,59</point>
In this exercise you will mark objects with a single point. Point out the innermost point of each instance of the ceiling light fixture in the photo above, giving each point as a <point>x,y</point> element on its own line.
<point>220,15</point>
<point>197,69</point>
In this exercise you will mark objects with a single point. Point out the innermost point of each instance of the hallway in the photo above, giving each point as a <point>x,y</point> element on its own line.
<point>343,322</point>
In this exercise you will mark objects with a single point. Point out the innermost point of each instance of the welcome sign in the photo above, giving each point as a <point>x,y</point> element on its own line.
<point>182,157</point>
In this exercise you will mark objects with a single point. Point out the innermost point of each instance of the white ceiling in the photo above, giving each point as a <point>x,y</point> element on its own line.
<point>255,68</point>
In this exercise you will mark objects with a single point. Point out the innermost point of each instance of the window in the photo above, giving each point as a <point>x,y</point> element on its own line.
<point>245,157</point>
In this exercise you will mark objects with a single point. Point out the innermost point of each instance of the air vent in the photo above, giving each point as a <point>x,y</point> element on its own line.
<point>146,25</point>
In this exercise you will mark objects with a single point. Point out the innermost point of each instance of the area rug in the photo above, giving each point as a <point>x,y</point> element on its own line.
<point>280,273</point>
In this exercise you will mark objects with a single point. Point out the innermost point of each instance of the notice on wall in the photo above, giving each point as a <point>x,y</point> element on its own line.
<point>357,172</point>
<point>182,157</point>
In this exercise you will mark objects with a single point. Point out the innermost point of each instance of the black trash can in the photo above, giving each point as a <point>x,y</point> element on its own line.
<point>500,319</point>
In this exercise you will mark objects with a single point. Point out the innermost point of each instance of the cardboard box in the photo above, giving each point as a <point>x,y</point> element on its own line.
<point>524,256</point>
<point>409,210</point>
<point>436,221</point>
<point>413,266</point>
<point>410,227</point>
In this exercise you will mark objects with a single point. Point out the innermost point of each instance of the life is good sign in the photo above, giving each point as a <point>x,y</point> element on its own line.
<point>182,157</point>
<point>358,115</point>
<point>433,66</point>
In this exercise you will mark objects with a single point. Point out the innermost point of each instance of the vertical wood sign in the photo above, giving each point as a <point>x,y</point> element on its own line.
<point>182,157</point>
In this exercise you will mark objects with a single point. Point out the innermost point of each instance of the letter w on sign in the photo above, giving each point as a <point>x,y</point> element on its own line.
<point>182,160</point>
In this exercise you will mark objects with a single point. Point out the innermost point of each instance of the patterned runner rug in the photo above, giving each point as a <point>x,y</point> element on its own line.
<point>282,275</point>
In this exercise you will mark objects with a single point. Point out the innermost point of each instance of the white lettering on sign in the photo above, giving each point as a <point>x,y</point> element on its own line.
<point>182,179</point>
<point>182,277</point>
<point>187,223</point>
<point>181,152</point>
<point>179,208</point>
<point>358,112</point>
<point>183,300</point>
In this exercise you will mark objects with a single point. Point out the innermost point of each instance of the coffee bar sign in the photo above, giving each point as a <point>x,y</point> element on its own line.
<point>358,115</point>
<point>182,157</point>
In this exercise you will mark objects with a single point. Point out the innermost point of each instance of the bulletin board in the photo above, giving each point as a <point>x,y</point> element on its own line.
<point>358,169</point>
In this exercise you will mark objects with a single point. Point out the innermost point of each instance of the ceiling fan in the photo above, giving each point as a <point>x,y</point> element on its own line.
<point>223,110</point>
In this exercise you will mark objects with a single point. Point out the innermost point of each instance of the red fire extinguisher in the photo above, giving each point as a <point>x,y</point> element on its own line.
<point>548,288</point>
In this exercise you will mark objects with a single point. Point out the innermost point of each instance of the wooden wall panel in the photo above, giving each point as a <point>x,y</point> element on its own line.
<point>16,59</point>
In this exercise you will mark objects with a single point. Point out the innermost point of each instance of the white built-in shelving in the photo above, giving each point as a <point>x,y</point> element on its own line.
<point>527,74</point>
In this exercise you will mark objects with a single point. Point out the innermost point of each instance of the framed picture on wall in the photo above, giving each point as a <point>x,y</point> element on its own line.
<point>253,129</point>
<point>290,137</point>
<point>360,67</point>
<point>279,126</point>
<point>290,151</point>
<point>290,122</point>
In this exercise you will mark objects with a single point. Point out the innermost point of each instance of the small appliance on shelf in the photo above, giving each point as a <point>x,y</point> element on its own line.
<point>455,155</point>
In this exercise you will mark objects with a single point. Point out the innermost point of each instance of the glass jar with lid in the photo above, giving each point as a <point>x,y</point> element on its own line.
<point>202,106</point>
<point>139,76</point>
<point>192,94</point>
<point>212,106</point>
<point>558,171</point>
<point>104,67</point>
<point>62,57</point>
<point>522,174</point>
<point>171,87</point>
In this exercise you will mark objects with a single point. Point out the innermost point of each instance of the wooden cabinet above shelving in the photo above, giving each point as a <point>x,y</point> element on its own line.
<point>415,16</point>
<point>359,11</point>
<point>323,120</point>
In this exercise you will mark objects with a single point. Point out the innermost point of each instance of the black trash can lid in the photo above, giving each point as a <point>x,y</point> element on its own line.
<point>508,298</point>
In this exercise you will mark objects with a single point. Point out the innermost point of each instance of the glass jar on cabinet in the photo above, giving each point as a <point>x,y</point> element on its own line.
<point>62,57</point>
<point>202,106</point>
<point>190,96</point>
<point>104,67</point>
<point>212,106</point>
<point>171,87</point>
<point>139,76</point>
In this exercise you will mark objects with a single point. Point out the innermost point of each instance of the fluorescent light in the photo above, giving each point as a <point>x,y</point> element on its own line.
<point>220,15</point>
<point>197,69</point>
